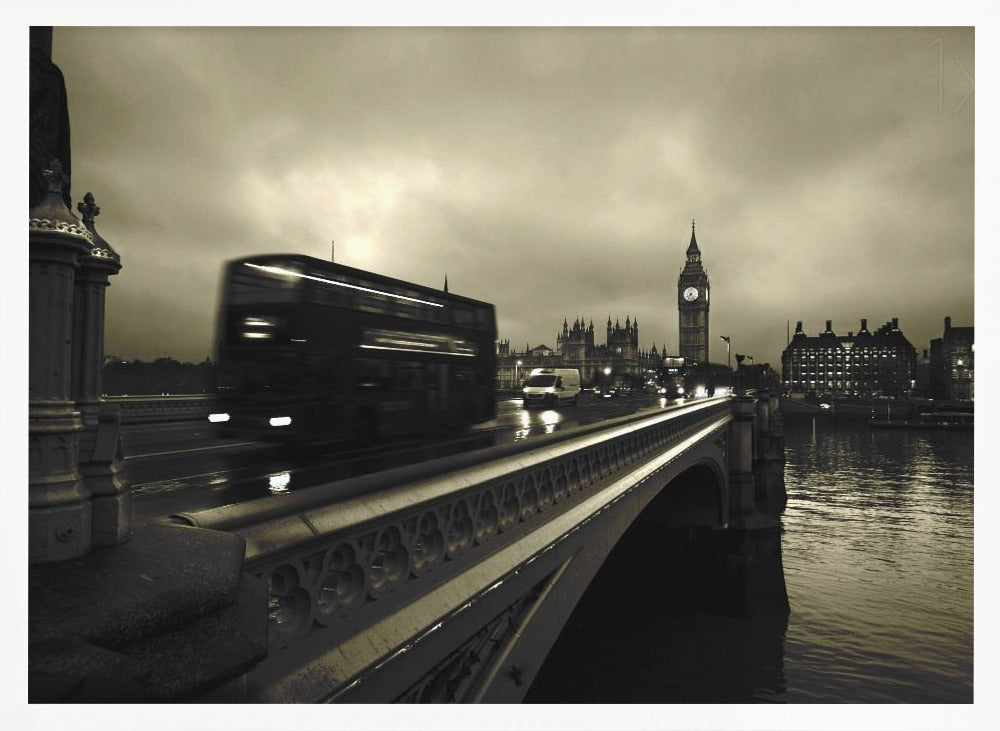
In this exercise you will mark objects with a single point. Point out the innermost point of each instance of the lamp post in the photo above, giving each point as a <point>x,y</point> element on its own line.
<point>740,391</point>
<point>517,374</point>
<point>729,360</point>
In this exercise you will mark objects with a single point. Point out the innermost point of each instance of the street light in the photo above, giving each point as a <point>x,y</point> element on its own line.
<point>517,373</point>
<point>729,360</point>
<point>739,374</point>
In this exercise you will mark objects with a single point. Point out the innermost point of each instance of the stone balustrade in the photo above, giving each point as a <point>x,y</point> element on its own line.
<point>337,564</point>
<point>148,409</point>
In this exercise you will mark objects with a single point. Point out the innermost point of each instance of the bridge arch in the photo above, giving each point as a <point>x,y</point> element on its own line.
<point>697,496</point>
<point>670,558</point>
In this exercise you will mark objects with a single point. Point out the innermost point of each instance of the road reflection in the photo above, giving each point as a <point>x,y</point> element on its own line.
<point>530,423</point>
<point>278,482</point>
<point>277,470</point>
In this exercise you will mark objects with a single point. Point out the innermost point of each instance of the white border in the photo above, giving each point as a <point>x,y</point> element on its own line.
<point>13,368</point>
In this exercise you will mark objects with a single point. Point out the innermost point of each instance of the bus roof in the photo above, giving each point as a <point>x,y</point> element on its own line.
<point>334,268</point>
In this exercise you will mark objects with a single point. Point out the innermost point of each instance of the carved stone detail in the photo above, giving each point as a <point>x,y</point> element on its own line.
<point>331,579</point>
<point>63,227</point>
<point>451,679</point>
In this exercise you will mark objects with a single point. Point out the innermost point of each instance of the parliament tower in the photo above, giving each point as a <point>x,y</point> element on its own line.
<point>692,306</point>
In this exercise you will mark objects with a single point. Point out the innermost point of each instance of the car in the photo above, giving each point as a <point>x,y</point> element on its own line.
<point>550,386</point>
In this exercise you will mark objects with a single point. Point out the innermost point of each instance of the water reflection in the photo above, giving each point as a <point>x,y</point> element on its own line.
<point>877,549</point>
<point>878,563</point>
<point>663,615</point>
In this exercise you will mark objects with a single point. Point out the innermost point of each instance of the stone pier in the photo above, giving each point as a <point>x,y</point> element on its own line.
<point>59,515</point>
<point>100,440</point>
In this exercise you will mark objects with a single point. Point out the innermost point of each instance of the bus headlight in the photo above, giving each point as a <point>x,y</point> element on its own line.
<point>218,417</point>
<point>280,420</point>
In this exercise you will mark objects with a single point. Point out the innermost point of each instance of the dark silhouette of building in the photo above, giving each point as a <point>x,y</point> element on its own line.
<point>923,375</point>
<point>865,364</point>
<point>163,376</point>
<point>692,306</point>
<point>951,365</point>
<point>760,376</point>
<point>620,358</point>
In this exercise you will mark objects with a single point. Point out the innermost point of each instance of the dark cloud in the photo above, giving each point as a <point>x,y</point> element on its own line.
<point>553,172</point>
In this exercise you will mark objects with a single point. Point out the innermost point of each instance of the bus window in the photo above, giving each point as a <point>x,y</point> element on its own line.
<point>372,302</point>
<point>464,377</point>
<point>371,374</point>
<point>462,315</point>
<point>409,376</point>
<point>250,287</point>
<point>257,329</point>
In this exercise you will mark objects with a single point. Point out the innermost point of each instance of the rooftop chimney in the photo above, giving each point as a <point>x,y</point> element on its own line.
<point>947,324</point>
<point>895,323</point>
<point>829,327</point>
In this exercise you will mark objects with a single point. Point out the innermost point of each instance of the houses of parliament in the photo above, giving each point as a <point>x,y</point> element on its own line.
<point>620,355</point>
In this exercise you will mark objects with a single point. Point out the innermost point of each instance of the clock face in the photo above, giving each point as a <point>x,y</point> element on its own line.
<point>691,294</point>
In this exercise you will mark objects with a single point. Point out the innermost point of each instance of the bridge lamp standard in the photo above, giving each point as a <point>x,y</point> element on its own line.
<point>729,360</point>
<point>739,374</point>
<point>517,372</point>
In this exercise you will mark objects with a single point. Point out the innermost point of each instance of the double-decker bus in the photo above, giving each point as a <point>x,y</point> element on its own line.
<point>706,379</point>
<point>312,350</point>
<point>672,376</point>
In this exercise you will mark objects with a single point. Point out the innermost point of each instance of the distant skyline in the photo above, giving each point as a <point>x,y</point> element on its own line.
<point>553,172</point>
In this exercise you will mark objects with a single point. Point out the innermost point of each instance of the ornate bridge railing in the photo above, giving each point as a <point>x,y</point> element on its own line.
<point>360,571</point>
<point>141,409</point>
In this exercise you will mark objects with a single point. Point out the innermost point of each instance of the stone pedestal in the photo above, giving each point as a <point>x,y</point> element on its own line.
<point>755,575</point>
<point>740,456</point>
<point>58,504</point>
<point>750,548</point>
<point>168,616</point>
<point>769,461</point>
<point>100,441</point>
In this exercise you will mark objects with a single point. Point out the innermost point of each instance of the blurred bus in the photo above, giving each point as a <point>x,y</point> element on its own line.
<point>672,376</point>
<point>312,350</point>
<point>707,379</point>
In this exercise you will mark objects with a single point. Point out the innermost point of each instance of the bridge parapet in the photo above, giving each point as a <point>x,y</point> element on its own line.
<point>769,459</point>
<point>146,409</point>
<point>358,580</point>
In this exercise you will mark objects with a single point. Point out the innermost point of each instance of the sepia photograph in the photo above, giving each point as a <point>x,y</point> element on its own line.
<point>617,369</point>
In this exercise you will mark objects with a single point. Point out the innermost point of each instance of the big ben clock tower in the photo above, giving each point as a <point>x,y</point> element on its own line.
<point>692,306</point>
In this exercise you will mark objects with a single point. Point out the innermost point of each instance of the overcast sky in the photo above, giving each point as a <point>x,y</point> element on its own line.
<point>552,172</point>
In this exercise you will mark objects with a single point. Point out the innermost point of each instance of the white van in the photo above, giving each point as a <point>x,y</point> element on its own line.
<point>551,385</point>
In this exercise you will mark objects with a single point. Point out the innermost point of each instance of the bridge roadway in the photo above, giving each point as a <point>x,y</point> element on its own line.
<point>449,580</point>
<point>179,466</point>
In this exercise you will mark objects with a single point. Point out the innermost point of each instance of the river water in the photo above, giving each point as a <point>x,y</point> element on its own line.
<point>877,548</point>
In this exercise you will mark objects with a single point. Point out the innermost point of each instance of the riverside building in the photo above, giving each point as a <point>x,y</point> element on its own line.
<point>864,364</point>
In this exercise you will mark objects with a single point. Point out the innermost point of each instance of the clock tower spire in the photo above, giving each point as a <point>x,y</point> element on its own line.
<point>692,305</point>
